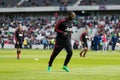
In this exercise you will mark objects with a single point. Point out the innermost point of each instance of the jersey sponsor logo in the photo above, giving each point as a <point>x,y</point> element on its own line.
<point>21,35</point>
<point>68,29</point>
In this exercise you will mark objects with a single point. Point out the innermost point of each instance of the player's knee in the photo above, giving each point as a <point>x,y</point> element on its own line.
<point>70,53</point>
<point>85,48</point>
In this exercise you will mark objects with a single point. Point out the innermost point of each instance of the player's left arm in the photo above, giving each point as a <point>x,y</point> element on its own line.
<point>57,27</point>
<point>15,36</point>
<point>23,36</point>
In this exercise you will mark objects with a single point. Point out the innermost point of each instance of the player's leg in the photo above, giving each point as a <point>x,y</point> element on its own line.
<point>68,49</point>
<point>19,50</point>
<point>56,50</point>
<point>18,53</point>
<point>81,53</point>
<point>85,49</point>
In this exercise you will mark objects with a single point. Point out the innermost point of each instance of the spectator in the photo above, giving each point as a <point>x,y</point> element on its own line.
<point>2,42</point>
<point>96,42</point>
<point>45,43</point>
<point>114,41</point>
<point>104,40</point>
<point>76,44</point>
<point>25,43</point>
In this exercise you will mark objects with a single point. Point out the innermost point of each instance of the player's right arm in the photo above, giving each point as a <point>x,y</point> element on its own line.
<point>15,36</point>
<point>81,38</point>
<point>58,30</point>
<point>57,27</point>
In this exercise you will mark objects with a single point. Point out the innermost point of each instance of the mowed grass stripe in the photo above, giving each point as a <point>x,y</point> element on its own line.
<point>96,66</point>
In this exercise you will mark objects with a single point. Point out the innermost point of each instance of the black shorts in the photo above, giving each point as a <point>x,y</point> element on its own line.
<point>18,45</point>
<point>62,45</point>
<point>85,45</point>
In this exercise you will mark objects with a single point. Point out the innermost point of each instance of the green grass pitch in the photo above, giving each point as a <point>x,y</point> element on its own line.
<point>95,66</point>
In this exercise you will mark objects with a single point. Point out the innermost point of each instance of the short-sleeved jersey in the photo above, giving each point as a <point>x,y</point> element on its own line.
<point>19,36</point>
<point>83,37</point>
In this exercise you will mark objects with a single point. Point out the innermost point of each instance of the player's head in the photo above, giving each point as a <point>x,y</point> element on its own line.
<point>86,30</point>
<point>71,15</point>
<point>20,27</point>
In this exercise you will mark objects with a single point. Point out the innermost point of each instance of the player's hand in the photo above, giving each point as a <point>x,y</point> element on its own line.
<point>65,33</point>
<point>82,42</point>
<point>17,42</point>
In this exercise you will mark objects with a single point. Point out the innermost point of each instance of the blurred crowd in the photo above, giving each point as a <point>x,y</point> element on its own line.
<point>99,2</point>
<point>35,28</point>
<point>103,31</point>
<point>40,30</point>
<point>35,3</point>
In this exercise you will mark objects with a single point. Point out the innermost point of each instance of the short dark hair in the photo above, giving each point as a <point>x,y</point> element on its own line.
<point>70,12</point>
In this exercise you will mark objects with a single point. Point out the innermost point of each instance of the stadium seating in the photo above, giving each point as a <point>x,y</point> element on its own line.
<point>111,2</point>
<point>8,3</point>
<point>33,3</point>
<point>38,27</point>
<point>99,2</point>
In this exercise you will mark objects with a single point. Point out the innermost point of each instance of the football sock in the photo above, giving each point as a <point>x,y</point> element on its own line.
<point>81,53</point>
<point>84,53</point>
<point>18,54</point>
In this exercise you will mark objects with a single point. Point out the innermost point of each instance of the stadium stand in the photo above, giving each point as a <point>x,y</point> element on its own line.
<point>8,3</point>
<point>111,2</point>
<point>48,3</point>
<point>39,26</point>
<point>34,3</point>
<point>99,2</point>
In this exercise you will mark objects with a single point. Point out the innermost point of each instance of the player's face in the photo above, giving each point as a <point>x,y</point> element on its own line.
<point>86,31</point>
<point>72,16</point>
<point>20,27</point>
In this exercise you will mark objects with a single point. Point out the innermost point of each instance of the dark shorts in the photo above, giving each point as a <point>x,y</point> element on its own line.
<point>85,45</point>
<point>18,45</point>
<point>60,44</point>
